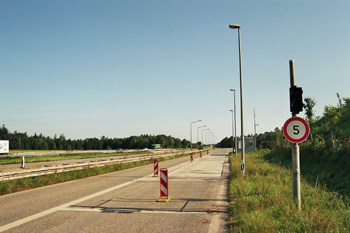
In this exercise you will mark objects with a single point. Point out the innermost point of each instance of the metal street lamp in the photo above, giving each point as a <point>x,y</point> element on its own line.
<point>214,138</point>
<point>206,140</point>
<point>255,125</point>
<point>233,133</point>
<point>203,131</point>
<point>237,26</point>
<point>198,129</point>
<point>234,109</point>
<point>191,130</point>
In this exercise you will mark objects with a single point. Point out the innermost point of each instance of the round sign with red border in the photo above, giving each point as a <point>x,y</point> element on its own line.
<point>296,129</point>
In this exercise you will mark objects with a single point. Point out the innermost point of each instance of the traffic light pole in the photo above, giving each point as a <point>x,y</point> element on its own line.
<point>295,151</point>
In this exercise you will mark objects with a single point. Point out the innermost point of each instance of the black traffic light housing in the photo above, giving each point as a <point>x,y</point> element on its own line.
<point>296,99</point>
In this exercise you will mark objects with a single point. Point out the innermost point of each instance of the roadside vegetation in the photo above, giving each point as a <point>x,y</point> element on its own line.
<point>325,155</point>
<point>262,201</point>
<point>12,186</point>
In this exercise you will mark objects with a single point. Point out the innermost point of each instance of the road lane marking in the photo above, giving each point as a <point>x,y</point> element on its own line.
<point>19,222</point>
<point>61,207</point>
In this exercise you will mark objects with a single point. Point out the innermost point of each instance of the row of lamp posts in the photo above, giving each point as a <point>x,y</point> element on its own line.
<point>203,130</point>
<point>233,26</point>
<point>237,26</point>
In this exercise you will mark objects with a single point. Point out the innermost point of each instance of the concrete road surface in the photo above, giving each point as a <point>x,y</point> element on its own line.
<point>126,201</point>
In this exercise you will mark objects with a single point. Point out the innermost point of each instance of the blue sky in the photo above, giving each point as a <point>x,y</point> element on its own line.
<point>123,68</point>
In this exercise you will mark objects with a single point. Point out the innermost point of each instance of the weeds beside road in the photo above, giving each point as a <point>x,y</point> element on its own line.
<point>262,201</point>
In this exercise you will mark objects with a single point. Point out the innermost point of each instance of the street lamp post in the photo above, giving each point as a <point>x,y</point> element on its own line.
<point>237,26</point>
<point>234,109</point>
<point>214,138</point>
<point>198,129</point>
<point>255,125</point>
<point>203,131</point>
<point>206,140</point>
<point>233,133</point>
<point>191,130</point>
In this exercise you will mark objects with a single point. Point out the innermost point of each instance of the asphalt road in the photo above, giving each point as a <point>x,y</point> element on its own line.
<point>126,201</point>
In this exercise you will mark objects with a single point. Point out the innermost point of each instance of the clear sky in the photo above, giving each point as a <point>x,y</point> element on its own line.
<point>123,68</point>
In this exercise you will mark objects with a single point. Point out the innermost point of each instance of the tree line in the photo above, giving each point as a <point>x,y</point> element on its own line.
<point>329,132</point>
<point>21,141</point>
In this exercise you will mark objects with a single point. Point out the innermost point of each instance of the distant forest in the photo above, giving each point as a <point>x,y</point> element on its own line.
<point>21,141</point>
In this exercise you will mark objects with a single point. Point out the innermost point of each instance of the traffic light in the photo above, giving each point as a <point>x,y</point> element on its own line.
<point>296,99</point>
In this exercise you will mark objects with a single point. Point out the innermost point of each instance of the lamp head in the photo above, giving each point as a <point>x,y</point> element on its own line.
<point>234,26</point>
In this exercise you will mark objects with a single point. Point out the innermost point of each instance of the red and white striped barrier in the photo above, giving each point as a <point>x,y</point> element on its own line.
<point>164,185</point>
<point>200,154</point>
<point>191,157</point>
<point>155,167</point>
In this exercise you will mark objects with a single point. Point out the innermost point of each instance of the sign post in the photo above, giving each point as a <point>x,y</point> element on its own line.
<point>296,130</point>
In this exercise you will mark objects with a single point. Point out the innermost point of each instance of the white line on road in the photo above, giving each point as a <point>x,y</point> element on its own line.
<point>61,207</point>
<point>64,206</point>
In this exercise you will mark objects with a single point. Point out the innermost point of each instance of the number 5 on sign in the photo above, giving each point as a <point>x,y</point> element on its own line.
<point>296,130</point>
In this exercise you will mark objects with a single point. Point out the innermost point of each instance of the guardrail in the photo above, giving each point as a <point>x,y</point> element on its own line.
<point>65,167</point>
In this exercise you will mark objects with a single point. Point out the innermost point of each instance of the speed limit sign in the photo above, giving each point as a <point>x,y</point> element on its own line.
<point>296,129</point>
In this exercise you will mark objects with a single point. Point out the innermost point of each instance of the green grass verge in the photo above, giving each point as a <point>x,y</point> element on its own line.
<point>32,159</point>
<point>262,201</point>
<point>11,186</point>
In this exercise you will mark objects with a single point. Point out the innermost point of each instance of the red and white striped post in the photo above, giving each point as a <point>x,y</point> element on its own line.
<point>164,186</point>
<point>155,167</point>
<point>200,154</point>
<point>191,157</point>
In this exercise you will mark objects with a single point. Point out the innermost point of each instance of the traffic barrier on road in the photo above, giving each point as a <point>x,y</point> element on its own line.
<point>191,157</point>
<point>164,186</point>
<point>155,167</point>
<point>200,154</point>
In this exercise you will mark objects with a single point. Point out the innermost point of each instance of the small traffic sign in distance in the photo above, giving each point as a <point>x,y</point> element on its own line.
<point>296,129</point>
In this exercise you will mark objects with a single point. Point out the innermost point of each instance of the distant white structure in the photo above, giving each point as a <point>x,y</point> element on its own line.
<point>4,146</point>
